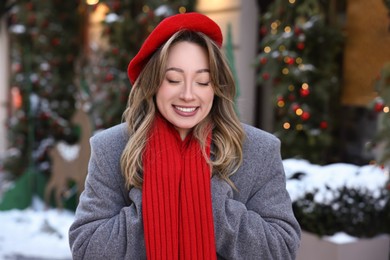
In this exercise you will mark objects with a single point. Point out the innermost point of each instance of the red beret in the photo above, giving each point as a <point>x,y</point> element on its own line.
<point>164,30</point>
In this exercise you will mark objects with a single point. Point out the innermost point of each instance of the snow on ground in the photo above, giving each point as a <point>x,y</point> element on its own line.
<point>42,234</point>
<point>35,233</point>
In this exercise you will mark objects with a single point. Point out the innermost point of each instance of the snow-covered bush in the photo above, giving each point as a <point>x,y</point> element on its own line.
<point>339,198</point>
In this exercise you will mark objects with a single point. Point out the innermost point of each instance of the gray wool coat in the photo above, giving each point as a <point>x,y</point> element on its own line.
<point>255,222</point>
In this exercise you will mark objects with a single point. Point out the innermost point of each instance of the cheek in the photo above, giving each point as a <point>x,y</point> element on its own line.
<point>160,98</point>
<point>158,102</point>
<point>210,98</point>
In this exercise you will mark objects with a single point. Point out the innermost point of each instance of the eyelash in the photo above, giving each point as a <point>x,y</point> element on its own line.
<point>173,81</point>
<point>177,82</point>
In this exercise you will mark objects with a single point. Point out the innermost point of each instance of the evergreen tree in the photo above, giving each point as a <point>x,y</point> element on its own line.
<point>51,63</point>
<point>381,105</point>
<point>298,55</point>
<point>45,42</point>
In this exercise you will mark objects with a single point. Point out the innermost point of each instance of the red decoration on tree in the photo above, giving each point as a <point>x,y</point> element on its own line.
<point>297,31</point>
<point>263,30</point>
<point>324,125</point>
<point>266,76</point>
<point>289,60</point>
<point>263,60</point>
<point>304,92</point>
<point>301,45</point>
<point>55,42</point>
<point>378,107</point>
<point>109,77</point>
<point>305,116</point>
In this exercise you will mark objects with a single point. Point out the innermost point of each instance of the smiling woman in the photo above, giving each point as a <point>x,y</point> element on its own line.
<point>186,95</point>
<point>182,177</point>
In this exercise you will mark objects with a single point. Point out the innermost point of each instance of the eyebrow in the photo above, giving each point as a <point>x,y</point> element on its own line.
<point>182,71</point>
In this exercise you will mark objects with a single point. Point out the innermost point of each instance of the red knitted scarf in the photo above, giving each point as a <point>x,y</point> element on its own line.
<point>176,196</point>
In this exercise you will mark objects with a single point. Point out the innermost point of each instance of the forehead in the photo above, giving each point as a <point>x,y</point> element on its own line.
<point>185,52</point>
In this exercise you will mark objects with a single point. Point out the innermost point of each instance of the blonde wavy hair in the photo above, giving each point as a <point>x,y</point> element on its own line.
<point>227,131</point>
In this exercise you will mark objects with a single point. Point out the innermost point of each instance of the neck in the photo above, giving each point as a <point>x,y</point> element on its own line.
<point>183,133</point>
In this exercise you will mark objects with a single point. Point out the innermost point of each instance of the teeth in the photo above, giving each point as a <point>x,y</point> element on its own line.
<point>186,109</point>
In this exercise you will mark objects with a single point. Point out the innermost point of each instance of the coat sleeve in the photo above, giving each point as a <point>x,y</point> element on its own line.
<point>108,220</point>
<point>262,225</point>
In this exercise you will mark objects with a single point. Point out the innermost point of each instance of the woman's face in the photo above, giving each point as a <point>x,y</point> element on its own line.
<point>186,95</point>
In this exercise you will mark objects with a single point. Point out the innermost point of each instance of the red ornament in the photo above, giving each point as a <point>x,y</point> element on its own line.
<point>301,45</point>
<point>304,92</point>
<point>55,42</point>
<point>291,97</point>
<point>109,77</point>
<point>266,76</point>
<point>263,30</point>
<point>305,116</point>
<point>297,31</point>
<point>378,107</point>
<point>324,125</point>
<point>289,60</point>
<point>263,60</point>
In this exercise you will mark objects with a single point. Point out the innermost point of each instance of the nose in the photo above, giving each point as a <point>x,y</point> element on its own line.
<point>187,93</point>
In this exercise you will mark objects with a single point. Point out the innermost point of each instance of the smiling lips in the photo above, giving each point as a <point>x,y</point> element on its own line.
<point>185,111</point>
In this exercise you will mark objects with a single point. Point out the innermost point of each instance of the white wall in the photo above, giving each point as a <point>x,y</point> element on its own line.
<point>242,15</point>
<point>4,84</point>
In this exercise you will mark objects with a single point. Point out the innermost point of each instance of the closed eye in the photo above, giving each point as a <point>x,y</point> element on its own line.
<point>204,84</point>
<point>173,81</point>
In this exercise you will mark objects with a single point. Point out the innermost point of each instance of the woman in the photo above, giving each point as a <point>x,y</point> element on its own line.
<point>182,178</point>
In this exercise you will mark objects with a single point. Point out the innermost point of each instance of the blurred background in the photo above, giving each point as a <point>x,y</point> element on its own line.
<point>315,73</point>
